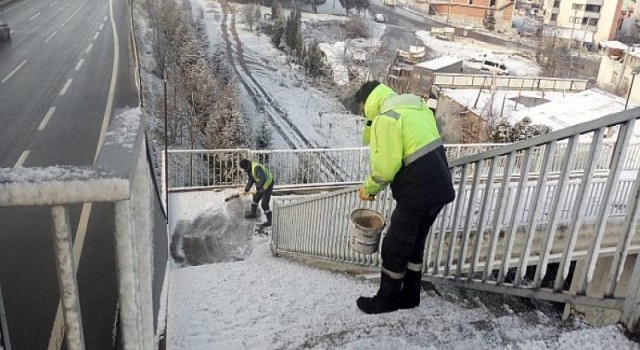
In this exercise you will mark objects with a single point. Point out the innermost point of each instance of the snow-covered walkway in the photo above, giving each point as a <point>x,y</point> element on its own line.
<point>266,302</point>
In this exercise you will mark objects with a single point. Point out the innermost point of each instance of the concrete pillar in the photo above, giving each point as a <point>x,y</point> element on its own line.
<point>595,315</point>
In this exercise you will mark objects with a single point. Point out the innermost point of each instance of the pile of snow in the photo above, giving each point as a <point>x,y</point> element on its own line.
<point>517,65</point>
<point>266,302</point>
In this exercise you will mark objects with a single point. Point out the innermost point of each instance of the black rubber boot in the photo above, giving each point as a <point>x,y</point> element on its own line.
<point>254,212</point>
<point>269,215</point>
<point>386,300</point>
<point>410,295</point>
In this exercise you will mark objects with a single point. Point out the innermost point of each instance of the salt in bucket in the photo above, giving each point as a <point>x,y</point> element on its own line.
<point>366,227</point>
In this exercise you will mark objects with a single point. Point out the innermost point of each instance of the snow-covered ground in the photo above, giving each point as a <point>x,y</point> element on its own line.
<point>302,116</point>
<point>468,49</point>
<point>266,302</point>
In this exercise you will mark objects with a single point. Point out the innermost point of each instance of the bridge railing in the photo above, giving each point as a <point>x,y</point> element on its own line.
<point>509,224</point>
<point>122,176</point>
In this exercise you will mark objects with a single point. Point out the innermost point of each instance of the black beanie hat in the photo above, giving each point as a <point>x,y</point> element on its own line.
<point>245,164</point>
<point>365,90</point>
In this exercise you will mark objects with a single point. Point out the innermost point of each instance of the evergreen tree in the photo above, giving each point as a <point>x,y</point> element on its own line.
<point>313,60</point>
<point>277,31</point>
<point>489,20</point>
<point>264,136</point>
<point>276,10</point>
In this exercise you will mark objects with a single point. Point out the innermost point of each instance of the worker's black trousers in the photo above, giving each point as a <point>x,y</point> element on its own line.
<point>405,240</point>
<point>265,196</point>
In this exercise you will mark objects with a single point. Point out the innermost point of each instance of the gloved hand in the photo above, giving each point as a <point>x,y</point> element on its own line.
<point>364,196</point>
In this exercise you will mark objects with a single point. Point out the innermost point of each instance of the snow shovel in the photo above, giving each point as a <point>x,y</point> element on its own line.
<point>237,195</point>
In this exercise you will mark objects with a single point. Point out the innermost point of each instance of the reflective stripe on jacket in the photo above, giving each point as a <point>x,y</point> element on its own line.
<point>403,129</point>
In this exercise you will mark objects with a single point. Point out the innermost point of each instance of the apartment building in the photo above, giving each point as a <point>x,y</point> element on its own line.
<point>591,21</point>
<point>473,11</point>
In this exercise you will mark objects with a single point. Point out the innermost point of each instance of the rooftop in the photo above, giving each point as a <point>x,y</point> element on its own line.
<point>439,63</point>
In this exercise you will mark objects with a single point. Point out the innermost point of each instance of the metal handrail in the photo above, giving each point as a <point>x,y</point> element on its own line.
<point>509,220</point>
<point>120,176</point>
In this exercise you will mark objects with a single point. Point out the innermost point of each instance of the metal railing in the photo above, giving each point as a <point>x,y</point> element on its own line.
<point>121,176</point>
<point>508,82</point>
<point>509,224</point>
<point>200,169</point>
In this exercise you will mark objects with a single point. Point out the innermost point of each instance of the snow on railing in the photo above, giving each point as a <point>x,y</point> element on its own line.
<point>508,224</point>
<point>121,176</point>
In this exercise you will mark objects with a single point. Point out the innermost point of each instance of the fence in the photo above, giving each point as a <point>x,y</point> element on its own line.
<point>508,82</point>
<point>199,169</point>
<point>507,224</point>
<point>122,177</point>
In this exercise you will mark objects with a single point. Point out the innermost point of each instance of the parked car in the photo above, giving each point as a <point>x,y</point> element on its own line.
<point>379,17</point>
<point>481,56</point>
<point>5,32</point>
<point>494,67</point>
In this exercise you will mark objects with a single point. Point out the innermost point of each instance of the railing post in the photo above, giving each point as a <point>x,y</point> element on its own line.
<point>631,310</point>
<point>65,267</point>
<point>142,208</point>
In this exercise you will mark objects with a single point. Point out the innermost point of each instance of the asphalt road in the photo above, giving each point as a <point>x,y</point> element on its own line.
<point>399,16</point>
<point>55,82</point>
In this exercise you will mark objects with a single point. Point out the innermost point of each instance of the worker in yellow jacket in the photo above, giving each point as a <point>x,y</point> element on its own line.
<point>407,154</point>
<point>259,175</point>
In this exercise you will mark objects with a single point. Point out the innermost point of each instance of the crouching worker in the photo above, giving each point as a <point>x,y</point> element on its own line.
<point>259,175</point>
<point>407,154</point>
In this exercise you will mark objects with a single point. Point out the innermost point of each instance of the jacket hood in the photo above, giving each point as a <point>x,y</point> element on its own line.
<point>372,107</point>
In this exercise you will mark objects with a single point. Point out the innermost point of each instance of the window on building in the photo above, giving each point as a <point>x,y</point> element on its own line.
<point>492,3</point>
<point>556,3</point>
<point>593,21</point>
<point>585,20</point>
<point>593,8</point>
<point>554,16</point>
<point>577,7</point>
<point>576,20</point>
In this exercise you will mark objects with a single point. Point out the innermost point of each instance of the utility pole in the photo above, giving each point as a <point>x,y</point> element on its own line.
<point>449,11</point>
<point>573,26</point>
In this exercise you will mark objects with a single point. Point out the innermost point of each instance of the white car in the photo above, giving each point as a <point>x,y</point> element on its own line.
<point>481,56</point>
<point>494,67</point>
<point>379,18</point>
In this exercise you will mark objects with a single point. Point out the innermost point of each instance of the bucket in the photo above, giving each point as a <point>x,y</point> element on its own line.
<point>366,227</point>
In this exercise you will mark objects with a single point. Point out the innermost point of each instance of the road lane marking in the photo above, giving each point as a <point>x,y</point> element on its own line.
<point>22,159</point>
<point>34,16</point>
<point>101,25</point>
<point>105,18</point>
<point>79,64</point>
<point>112,85</point>
<point>46,118</point>
<point>58,326</point>
<point>14,71</point>
<point>96,36</point>
<point>65,87</point>
<point>88,48</point>
<point>50,36</point>
<point>53,3</point>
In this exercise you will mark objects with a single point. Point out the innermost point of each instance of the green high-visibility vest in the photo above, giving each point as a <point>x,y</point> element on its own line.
<point>268,181</point>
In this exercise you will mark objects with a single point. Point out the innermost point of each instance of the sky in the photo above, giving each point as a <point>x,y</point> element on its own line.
<point>258,301</point>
